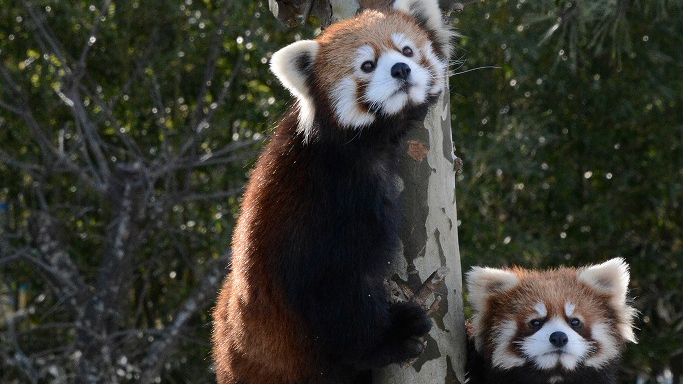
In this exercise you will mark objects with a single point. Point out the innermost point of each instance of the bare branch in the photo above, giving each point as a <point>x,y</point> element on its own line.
<point>49,150</point>
<point>191,142</point>
<point>55,260</point>
<point>106,108</point>
<point>89,131</point>
<point>164,346</point>
<point>46,34</point>
<point>429,286</point>
<point>70,93</point>
<point>399,292</point>
<point>33,169</point>
<point>211,62</point>
<point>19,358</point>
<point>209,196</point>
<point>81,65</point>
<point>10,108</point>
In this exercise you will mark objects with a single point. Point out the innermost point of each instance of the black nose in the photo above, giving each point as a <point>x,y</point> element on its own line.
<point>400,71</point>
<point>559,339</point>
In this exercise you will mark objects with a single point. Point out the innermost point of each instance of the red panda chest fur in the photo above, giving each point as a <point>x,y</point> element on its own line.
<point>305,300</point>
<point>560,326</point>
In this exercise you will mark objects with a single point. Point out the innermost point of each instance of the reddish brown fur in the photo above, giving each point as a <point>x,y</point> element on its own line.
<point>274,338</point>
<point>264,323</point>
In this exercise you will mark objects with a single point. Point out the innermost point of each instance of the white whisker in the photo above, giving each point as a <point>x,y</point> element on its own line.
<point>476,69</point>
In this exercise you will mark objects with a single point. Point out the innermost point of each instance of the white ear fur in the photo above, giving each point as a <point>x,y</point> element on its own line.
<point>287,64</point>
<point>428,13</point>
<point>293,65</point>
<point>484,282</point>
<point>610,277</point>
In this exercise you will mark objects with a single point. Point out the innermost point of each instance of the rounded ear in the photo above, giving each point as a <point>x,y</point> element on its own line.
<point>293,65</point>
<point>610,277</point>
<point>482,283</point>
<point>428,15</point>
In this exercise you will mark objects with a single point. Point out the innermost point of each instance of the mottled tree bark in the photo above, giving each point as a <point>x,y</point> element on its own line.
<point>94,306</point>
<point>430,242</point>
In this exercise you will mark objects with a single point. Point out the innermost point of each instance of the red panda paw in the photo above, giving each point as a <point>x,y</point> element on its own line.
<point>409,320</point>
<point>403,343</point>
<point>412,348</point>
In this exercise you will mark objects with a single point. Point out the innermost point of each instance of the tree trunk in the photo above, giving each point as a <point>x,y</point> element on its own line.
<point>429,229</point>
<point>430,241</point>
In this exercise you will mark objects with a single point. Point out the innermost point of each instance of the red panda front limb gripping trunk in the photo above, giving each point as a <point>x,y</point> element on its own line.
<point>305,301</point>
<point>563,326</point>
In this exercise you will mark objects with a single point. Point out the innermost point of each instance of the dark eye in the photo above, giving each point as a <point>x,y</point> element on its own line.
<point>575,323</point>
<point>368,66</point>
<point>407,51</point>
<point>535,323</point>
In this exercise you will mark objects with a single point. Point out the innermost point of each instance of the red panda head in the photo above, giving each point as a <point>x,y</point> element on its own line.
<point>555,320</point>
<point>379,64</point>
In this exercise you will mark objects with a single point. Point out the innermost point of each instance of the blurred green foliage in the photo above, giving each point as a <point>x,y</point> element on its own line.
<point>571,145</point>
<point>572,148</point>
<point>159,93</point>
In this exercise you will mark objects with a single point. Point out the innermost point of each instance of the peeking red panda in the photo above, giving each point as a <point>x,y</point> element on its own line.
<point>305,300</point>
<point>565,326</point>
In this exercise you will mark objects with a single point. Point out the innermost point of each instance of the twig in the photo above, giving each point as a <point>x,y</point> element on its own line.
<point>169,166</point>
<point>211,62</point>
<point>10,108</point>
<point>460,6</point>
<point>161,348</point>
<point>307,12</point>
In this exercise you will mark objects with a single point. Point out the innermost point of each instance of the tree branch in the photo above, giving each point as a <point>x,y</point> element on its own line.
<point>55,260</point>
<point>165,344</point>
<point>211,62</point>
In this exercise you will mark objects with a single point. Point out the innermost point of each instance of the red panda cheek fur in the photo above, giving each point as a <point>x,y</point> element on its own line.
<point>305,300</point>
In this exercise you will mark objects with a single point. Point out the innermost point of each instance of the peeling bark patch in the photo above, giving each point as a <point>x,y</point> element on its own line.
<point>417,150</point>
<point>442,289</point>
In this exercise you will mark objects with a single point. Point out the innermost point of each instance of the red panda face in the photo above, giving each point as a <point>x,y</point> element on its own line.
<point>557,320</point>
<point>379,64</point>
<point>386,64</point>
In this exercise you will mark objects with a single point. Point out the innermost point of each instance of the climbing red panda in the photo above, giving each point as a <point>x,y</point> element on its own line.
<point>565,326</point>
<point>305,300</point>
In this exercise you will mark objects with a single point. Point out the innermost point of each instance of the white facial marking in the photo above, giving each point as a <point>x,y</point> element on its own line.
<point>609,349</point>
<point>547,356</point>
<point>569,308</point>
<point>541,310</point>
<point>390,95</point>
<point>383,93</point>
<point>346,105</point>
<point>501,357</point>
<point>364,53</point>
<point>401,41</point>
